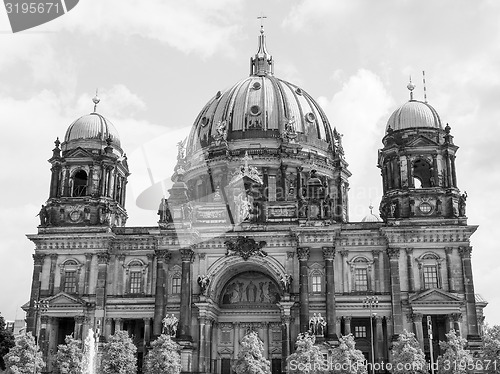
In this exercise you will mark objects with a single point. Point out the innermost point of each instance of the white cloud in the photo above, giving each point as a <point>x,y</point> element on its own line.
<point>359,112</point>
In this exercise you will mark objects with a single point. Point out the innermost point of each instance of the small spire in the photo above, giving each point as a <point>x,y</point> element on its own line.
<point>95,100</point>
<point>57,142</point>
<point>411,87</point>
<point>425,87</point>
<point>371,208</point>
<point>262,63</point>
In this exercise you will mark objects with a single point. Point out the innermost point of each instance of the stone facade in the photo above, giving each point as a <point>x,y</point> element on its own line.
<point>255,239</point>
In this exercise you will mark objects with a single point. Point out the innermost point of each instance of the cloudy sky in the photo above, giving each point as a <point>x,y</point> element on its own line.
<point>157,62</point>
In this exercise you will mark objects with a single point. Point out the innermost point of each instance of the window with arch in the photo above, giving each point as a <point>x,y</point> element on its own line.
<point>175,280</point>
<point>422,173</point>
<point>361,274</point>
<point>135,277</point>
<point>80,180</point>
<point>70,274</point>
<point>316,279</point>
<point>429,265</point>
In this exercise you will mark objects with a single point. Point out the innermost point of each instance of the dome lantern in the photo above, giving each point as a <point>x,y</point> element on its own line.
<point>262,63</point>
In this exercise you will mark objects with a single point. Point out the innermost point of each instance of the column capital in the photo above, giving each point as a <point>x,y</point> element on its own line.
<point>393,253</point>
<point>44,319</point>
<point>103,257</point>
<point>150,256</point>
<point>417,317</point>
<point>456,317</point>
<point>378,319</point>
<point>376,252</point>
<point>186,254</point>
<point>409,251</point>
<point>163,255</point>
<point>290,254</point>
<point>347,318</point>
<point>285,320</point>
<point>329,253</point>
<point>79,319</point>
<point>53,256</point>
<point>147,320</point>
<point>38,258</point>
<point>465,251</point>
<point>448,250</point>
<point>303,253</point>
<point>344,253</point>
<point>88,256</point>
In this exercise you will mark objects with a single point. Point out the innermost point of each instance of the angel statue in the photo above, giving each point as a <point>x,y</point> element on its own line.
<point>203,282</point>
<point>286,282</point>
<point>181,149</point>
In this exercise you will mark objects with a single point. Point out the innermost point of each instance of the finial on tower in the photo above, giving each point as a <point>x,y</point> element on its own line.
<point>95,100</point>
<point>371,208</point>
<point>262,63</point>
<point>411,87</point>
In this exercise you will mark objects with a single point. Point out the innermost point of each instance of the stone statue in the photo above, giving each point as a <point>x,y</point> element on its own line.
<point>317,325</point>
<point>170,324</point>
<point>164,211</point>
<point>221,136</point>
<point>462,204</point>
<point>44,216</point>
<point>203,282</point>
<point>286,282</point>
<point>313,324</point>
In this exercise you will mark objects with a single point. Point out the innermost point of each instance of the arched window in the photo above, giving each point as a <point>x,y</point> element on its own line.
<point>429,266</point>
<point>316,278</point>
<point>361,274</point>
<point>70,274</point>
<point>175,280</point>
<point>422,173</point>
<point>135,277</point>
<point>80,183</point>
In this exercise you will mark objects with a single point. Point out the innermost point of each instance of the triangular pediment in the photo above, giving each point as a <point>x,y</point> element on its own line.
<point>78,152</point>
<point>63,298</point>
<point>434,296</point>
<point>422,141</point>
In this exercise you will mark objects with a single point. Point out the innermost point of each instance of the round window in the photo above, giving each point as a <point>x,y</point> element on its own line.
<point>256,85</point>
<point>255,110</point>
<point>425,208</point>
<point>204,121</point>
<point>310,117</point>
<point>298,91</point>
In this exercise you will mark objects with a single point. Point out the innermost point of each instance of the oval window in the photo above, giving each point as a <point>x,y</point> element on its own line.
<point>255,110</point>
<point>204,121</point>
<point>425,208</point>
<point>256,85</point>
<point>298,91</point>
<point>310,117</point>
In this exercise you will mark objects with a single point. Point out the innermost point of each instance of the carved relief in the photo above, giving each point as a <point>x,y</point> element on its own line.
<point>251,288</point>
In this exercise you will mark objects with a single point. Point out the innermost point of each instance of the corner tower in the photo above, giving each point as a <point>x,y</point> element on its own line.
<point>418,165</point>
<point>89,176</point>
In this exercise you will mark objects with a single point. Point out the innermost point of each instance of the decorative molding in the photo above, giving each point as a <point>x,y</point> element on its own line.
<point>186,254</point>
<point>329,253</point>
<point>303,253</point>
<point>245,247</point>
<point>393,253</point>
<point>102,258</point>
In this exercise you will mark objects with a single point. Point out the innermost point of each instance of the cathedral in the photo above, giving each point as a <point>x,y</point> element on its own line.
<point>255,235</point>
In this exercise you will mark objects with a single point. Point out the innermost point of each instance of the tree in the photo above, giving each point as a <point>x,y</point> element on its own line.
<point>408,356</point>
<point>69,356</point>
<point>6,342</point>
<point>25,357</point>
<point>251,358</point>
<point>164,357</point>
<point>455,359</point>
<point>118,356</point>
<point>346,359</point>
<point>491,350</point>
<point>307,357</point>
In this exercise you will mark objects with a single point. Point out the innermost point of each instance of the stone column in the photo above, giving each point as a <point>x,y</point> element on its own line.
<point>86,281</point>
<point>120,273</point>
<point>43,338</point>
<point>108,327</point>
<point>66,191</point>
<point>102,259</point>
<point>376,266</point>
<point>109,183</point>
<point>186,293</point>
<point>329,256</point>
<point>418,328</point>
<point>338,321</point>
<point>38,259</point>
<point>162,257</point>
<point>54,180</point>
<point>236,339</point>
<point>208,344</point>
<point>285,339</point>
<point>265,336</point>
<point>409,267</point>
<point>448,251</point>
<point>299,182</point>
<point>303,255</point>
<point>345,275</point>
<point>457,319</point>
<point>118,324</point>
<point>147,331</point>
<point>347,325</point>
<point>379,339</point>
<point>149,282</point>
<point>453,171</point>
<point>52,274</point>
<point>77,332</point>
<point>382,269</point>
<point>410,172</point>
<point>201,345</point>
<point>397,312</point>
<point>472,326</point>
<point>53,327</point>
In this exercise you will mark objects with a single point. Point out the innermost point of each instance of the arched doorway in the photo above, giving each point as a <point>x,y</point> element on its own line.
<point>249,302</point>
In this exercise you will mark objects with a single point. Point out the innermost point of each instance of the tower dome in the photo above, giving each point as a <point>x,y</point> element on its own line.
<point>414,114</point>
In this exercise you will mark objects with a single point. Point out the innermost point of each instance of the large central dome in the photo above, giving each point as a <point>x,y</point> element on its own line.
<point>261,106</point>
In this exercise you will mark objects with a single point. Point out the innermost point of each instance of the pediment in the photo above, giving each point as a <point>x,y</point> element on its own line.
<point>65,299</point>
<point>434,296</point>
<point>77,153</point>
<point>226,350</point>
<point>422,141</point>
